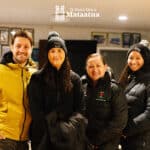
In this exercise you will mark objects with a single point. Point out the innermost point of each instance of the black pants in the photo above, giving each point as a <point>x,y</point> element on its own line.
<point>8,144</point>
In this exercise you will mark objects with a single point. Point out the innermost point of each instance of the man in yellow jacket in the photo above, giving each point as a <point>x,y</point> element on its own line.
<point>15,73</point>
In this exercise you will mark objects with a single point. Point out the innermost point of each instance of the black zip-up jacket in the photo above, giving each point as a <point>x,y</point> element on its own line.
<point>106,111</point>
<point>52,111</point>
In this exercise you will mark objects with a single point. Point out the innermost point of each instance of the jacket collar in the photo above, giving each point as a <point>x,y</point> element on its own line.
<point>7,59</point>
<point>102,81</point>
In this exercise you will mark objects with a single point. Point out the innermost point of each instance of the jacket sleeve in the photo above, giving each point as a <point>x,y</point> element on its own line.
<point>35,98</point>
<point>77,94</point>
<point>141,122</point>
<point>118,120</point>
<point>38,125</point>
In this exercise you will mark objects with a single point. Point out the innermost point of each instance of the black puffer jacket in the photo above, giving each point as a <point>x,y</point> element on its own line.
<point>138,99</point>
<point>52,110</point>
<point>137,94</point>
<point>106,113</point>
<point>138,126</point>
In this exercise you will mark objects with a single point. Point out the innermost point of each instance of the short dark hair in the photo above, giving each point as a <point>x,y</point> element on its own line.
<point>24,34</point>
<point>95,55</point>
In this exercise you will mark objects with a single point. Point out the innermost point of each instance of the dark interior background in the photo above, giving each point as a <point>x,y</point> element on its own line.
<point>78,50</point>
<point>116,59</point>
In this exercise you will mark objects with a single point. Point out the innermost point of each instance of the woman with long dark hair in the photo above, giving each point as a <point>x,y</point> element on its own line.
<point>135,78</point>
<point>55,97</point>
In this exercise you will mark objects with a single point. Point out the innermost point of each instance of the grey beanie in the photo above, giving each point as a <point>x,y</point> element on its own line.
<point>55,41</point>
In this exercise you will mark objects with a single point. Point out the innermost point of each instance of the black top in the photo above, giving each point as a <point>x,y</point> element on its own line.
<point>47,96</point>
<point>105,110</point>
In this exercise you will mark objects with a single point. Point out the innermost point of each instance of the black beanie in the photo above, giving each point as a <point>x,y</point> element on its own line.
<point>55,41</point>
<point>144,51</point>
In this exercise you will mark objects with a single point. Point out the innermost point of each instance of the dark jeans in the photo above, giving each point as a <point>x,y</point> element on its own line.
<point>8,144</point>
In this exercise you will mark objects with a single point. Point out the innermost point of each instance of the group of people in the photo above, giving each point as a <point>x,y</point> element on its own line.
<point>57,110</point>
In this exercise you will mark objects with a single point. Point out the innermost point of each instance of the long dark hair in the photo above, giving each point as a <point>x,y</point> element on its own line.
<point>127,73</point>
<point>124,77</point>
<point>49,73</point>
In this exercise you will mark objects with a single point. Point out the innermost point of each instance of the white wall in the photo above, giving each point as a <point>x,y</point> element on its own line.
<point>67,32</point>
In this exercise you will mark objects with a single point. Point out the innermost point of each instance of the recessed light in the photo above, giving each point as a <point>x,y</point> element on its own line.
<point>123,18</point>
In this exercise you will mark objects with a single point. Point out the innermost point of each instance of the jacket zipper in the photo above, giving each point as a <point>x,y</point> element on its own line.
<point>57,96</point>
<point>23,104</point>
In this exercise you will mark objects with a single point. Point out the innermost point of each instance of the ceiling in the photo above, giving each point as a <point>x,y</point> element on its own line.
<point>31,12</point>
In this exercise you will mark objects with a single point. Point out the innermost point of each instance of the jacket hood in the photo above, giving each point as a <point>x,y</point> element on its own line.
<point>7,58</point>
<point>141,76</point>
<point>105,80</point>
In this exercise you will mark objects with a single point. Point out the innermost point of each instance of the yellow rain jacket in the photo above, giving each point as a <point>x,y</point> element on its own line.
<point>15,116</point>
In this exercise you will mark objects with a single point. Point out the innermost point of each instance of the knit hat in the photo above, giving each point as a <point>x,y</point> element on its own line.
<point>145,43</point>
<point>55,41</point>
<point>144,51</point>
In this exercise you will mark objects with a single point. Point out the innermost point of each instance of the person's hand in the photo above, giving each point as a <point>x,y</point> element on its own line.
<point>1,136</point>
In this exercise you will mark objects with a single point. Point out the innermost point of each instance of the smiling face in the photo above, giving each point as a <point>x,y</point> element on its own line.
<point>56,57</point>
<point>95,68</point>
<point>21,49</point>
<point>135,61</point>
